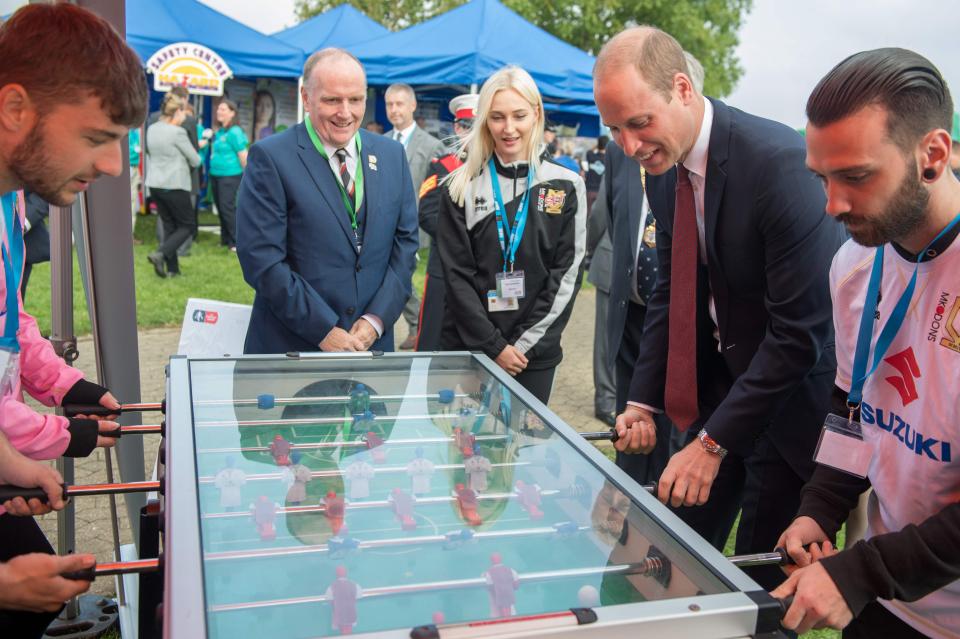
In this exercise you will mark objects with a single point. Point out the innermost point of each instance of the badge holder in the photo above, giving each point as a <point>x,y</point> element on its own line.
<point>842,447</point>
<point>511,285</point>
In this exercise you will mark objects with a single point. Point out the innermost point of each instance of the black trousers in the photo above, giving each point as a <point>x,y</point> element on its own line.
<point>225,190</point>
<point>431,314</point>
<point>20,536</point>
<point>178,219</point>
<point>538,382</point>
<point>876,621</point>
<point>644,469</point>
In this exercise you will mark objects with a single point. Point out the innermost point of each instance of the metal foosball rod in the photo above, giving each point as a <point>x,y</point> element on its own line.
<point>134,567</point>
<point>325,474</point>
<point>455,536</point>
<point>313,421</point>
<point>72,410</point>
<point>11,492</point>
<point>355,443</point>
<point>362,505</point>
<point>320,400</point>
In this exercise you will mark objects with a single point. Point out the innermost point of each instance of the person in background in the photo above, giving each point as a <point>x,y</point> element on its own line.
<point>420,148</point>
<point>228,157</point>
<point>432,309</point>
<point>550,138</point>
<point>599,258</point>
<point>169,157</point>
<point>70,89</point>
<point>36,238</point>
<point>136,179</point>
<point>374,127</point>
<point>265,115</point>
<point>564,156</point>
<point>512,234</point>
<point>593,170</point>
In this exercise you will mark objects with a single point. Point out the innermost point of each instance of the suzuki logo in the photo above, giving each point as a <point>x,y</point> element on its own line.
<point>906,364</point>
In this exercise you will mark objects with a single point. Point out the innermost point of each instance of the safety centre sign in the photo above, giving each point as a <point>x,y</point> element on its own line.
<point>191,65</point>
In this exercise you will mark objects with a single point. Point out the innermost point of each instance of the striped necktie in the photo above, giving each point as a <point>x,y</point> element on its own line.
<point>345,178</point>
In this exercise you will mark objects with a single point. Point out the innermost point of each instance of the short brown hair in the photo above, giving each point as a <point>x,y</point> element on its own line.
<point>655,54</point>
<point>61,53</point>
<point>235,120</point>
<point>902,82</point>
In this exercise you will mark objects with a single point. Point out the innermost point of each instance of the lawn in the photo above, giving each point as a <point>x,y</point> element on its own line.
<point>211,272</point>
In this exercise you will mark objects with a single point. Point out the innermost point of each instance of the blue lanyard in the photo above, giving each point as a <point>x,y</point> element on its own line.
<point>11,271</point>
<point>509,244</point>
<point>889,331</point>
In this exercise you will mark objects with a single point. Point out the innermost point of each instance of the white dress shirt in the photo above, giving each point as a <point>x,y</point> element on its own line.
<point>404,134</point>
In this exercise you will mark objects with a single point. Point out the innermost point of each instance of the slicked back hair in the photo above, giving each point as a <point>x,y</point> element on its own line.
<point>905,84</point>
<point>62,53</point>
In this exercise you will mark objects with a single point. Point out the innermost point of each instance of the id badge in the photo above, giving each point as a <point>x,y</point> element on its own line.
<point>10,367</point>
<point>496,304</point>
<point>841,446</point>
<point>511,285</point>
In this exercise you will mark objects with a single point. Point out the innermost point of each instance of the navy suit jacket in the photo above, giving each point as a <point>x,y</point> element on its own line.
<point>296,246</point>
<point>769,248</point>
<point>624,207</point>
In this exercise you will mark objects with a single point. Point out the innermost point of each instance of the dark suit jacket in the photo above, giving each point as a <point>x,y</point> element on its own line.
<point>769,247</point>
<point>624,200</point>
<point>296,245</point>
<point>37,240</point>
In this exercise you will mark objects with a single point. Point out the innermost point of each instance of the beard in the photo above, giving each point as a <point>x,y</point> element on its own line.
<point>904,214</point>
<point>33,165</point>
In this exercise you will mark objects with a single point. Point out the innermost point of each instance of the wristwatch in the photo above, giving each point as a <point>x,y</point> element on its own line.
<point>710,445</point>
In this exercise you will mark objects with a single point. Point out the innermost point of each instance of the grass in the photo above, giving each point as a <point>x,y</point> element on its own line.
<point>211,272</point>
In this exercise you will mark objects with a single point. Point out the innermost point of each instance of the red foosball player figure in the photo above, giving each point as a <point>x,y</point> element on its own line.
<point>465,441</point>
<point>502,583</point>
<point>529,497</point>
<point>467,499</point>
<point>333,509</point>
<point>402,505</point>
<point>264,514</point>
<point>375,446</point>
<point>343,595</point>
<point>280,449</point>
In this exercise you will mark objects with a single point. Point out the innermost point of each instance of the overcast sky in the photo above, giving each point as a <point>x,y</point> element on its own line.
<point>785,45</point>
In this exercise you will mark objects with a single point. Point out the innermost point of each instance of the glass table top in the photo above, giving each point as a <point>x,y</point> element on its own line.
<point>378,493</point>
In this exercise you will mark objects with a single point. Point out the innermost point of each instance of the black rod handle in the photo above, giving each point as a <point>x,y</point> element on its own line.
<point>8,492</point>
<point>85,574</point>
<point>72,410</point>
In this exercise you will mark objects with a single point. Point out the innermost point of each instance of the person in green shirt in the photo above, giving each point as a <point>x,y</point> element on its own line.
<point>228,157</point>
<point>135,182</point>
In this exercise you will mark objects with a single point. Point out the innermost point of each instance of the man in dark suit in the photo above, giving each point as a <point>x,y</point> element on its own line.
<point>421,148</point>
<point>327,223</point>
<point>738,341</point>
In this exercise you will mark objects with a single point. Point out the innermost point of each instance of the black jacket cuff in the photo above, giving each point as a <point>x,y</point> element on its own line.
<point>83,436</point>
<point>84,392</point>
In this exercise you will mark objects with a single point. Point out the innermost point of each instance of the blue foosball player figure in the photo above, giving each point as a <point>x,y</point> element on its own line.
<point>359,400</point>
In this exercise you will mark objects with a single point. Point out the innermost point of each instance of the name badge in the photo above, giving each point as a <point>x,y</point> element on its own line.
<point>511,285</point>
<point>496,304</point>
<point>842,447</point>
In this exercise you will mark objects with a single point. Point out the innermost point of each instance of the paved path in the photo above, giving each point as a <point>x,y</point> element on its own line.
<point>572,401</point>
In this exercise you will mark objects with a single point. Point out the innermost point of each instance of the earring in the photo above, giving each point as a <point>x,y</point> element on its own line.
<point>929,174</point>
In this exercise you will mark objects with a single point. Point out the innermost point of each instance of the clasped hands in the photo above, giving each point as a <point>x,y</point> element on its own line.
<point>361,337</point>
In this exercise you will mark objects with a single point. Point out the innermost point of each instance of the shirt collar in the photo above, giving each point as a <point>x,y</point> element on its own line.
<point>331,150</point>
<point>696,160</point>
<point>407,132</point>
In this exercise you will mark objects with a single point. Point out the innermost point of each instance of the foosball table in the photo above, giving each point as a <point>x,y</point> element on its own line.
<point>411,495</point>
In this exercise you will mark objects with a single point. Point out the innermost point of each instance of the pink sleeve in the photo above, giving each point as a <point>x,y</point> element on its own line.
<point>42,373</point>
<point>34,435</point>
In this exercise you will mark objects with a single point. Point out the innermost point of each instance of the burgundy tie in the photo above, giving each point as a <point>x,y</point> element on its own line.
<point>680,396</point>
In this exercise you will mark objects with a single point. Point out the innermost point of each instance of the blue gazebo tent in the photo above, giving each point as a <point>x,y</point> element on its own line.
<point>152,25</point>
<point>466,45</point>
<point>342,26</point>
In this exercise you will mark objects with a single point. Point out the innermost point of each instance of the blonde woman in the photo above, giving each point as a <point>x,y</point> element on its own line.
<point>170,156</point>
<point>511,236</point>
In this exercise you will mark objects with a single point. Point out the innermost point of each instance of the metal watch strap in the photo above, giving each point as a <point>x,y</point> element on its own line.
<point>710,445</point>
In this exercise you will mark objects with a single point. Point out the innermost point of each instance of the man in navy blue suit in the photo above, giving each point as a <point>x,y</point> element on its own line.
<point>327,223</point>
<point>737,346</point>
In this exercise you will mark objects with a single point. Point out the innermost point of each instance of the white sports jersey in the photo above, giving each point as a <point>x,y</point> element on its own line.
<point>911,404</point>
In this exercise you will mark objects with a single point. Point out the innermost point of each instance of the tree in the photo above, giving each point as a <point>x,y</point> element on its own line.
<point>706,28</point>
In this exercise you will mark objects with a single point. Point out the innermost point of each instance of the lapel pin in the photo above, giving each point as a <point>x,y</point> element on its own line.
<point>372,162</point>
